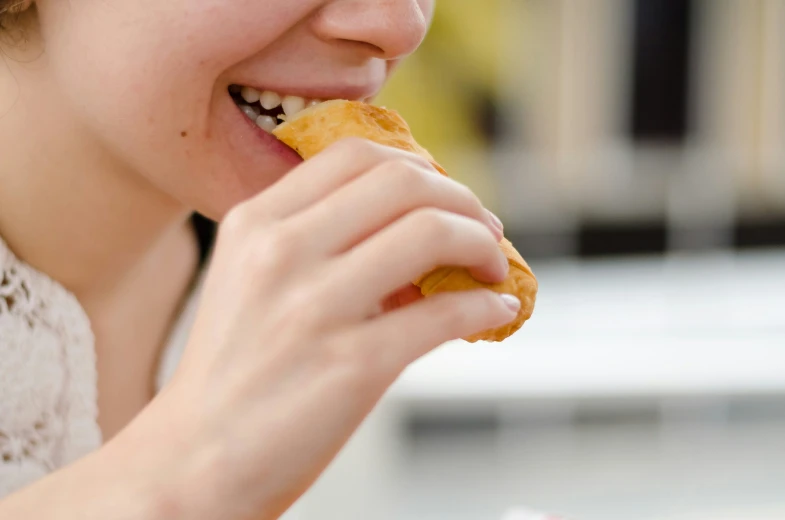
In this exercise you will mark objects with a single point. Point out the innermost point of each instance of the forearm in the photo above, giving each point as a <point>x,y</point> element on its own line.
<point>89,489</point>
<point>140,475</point>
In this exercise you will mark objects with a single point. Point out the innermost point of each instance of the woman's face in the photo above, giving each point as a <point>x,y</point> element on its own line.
<point>148,81</point>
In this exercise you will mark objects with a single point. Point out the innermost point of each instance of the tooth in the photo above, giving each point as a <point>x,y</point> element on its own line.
<point>292,105</point>
<point>266,123</point>
<point>313,103</point>
<point>270,100</point>
<point>251,95</point>
<point>250,112</point>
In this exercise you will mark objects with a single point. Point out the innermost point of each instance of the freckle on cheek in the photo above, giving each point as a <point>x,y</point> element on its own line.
<point>183,134</point>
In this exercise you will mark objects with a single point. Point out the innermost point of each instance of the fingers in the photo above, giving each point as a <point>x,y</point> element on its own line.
<point>415,244</point>
<point>323,174</point>
<point>392,189</point>
<point>404,335</point>
<point>378,218</point>
<point>496,225</point>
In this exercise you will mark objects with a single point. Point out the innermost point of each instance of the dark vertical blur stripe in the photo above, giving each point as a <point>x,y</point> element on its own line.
<point>205,230</point>
<point>760,234</point>
<point>593,240</point>
<point>620,239</point>
<point>661,69</point>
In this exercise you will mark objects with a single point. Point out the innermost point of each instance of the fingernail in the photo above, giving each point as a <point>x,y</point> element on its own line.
<point>512,303</point>
<point>497,225</point>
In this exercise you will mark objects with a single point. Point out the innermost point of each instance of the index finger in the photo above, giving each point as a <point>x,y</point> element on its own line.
<point>323,174</point>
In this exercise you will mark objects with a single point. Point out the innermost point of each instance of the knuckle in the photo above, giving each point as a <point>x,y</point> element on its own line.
<point>236,223</point>
<point>415,159</point>
<point>424,163</point>
<point>485,248</point>
<point>303,308</point>
<point>283,239</point>
<point>418,178</point>
<point>486,238</point>
<point>469,198</point>
<point>405,177</point>
<point>273,250</point>
<point>434,225</point>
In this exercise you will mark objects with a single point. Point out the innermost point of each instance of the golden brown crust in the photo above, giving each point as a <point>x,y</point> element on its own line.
<point>316,128</point>
<point>520,281</point>
<point>313,130</point>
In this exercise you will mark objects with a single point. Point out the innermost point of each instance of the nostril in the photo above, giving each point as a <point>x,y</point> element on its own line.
<point>368,47</point>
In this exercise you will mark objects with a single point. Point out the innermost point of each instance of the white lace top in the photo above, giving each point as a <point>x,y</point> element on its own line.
<point>48,392</point>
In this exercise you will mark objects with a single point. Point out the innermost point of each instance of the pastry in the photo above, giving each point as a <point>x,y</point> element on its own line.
<point>314,129</point>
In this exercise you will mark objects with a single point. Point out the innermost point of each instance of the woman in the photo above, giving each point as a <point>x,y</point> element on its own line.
<point>119,120</point>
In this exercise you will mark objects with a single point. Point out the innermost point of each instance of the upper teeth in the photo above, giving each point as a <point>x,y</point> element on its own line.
<point>249,94</point>
<point>269,100</point>
<point>292,105</point>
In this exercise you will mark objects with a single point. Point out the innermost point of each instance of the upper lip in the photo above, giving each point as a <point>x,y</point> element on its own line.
<point>351,92</point>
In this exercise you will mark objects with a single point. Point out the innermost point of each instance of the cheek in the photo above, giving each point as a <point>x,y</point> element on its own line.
<point>146,48</point>
<point>116,65</point>
<point>143,80</point>
<point>136,75</point>
<point>144,70</point>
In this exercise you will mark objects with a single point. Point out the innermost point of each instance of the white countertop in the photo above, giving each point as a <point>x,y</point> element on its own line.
<point>702,324</point>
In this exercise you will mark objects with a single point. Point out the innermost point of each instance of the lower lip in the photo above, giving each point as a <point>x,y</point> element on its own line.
<point>269,140</point>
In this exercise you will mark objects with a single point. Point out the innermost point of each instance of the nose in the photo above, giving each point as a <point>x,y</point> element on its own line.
<point>388,29</point>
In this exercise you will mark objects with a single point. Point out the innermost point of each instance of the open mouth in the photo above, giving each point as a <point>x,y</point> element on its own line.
<point>266,108</point>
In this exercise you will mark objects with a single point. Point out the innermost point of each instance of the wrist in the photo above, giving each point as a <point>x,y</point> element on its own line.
<point>188,470</point>
<point>170,473</point>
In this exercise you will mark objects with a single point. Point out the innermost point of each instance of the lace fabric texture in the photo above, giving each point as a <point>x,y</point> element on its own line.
<point>48,392</point>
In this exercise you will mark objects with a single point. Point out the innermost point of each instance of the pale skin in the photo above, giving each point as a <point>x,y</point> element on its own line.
<point>116,125</point>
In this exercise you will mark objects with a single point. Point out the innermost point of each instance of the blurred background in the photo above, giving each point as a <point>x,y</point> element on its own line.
<point>636,151</point>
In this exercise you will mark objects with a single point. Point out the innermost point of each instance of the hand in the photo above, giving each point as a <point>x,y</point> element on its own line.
<point>308,315</point>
